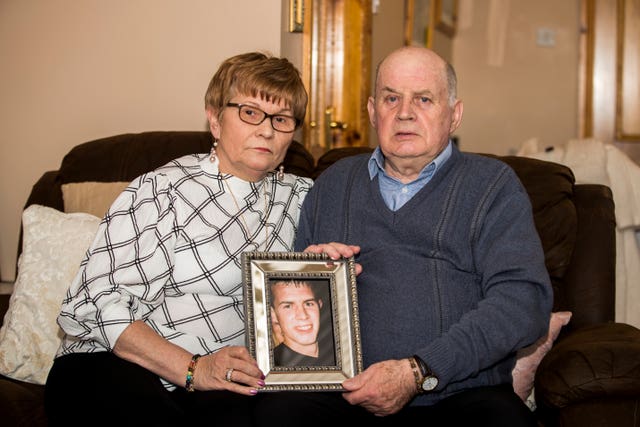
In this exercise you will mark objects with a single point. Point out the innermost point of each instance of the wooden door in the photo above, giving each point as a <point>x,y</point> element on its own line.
<point>610,89</point>
<point>336,70</point>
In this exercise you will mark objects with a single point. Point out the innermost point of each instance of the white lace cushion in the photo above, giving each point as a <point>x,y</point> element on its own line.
<point>54,244</point>
<point>530,357</point>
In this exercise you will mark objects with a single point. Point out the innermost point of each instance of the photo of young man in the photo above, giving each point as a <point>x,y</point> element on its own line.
<point>301,337</point>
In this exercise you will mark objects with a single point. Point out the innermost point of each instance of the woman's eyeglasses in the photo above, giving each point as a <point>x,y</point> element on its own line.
<point>255,116</point>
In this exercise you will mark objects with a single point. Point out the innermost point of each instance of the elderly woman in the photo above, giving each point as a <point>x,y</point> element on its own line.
<point>155,311</point>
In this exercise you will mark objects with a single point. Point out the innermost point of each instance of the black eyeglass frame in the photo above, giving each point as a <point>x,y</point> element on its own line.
<point>266,116</point>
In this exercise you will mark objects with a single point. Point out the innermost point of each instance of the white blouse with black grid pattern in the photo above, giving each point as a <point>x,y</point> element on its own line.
<point>169,251</point>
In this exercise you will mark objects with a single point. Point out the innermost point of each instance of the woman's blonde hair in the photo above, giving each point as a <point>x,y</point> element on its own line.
<point>260,75</point>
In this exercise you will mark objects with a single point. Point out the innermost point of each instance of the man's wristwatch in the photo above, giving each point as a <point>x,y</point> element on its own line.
<point>429,381</point>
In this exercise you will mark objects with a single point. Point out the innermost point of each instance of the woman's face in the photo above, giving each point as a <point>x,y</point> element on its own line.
<point>245,150</point>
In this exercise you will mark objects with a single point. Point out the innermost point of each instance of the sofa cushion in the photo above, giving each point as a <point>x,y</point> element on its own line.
<point>592,363</point>
<point>127,156</point>
<point>93,198</point>
<point>550,187</point>
<point>21,403</point>
<point>335,154</point>
<point>54,245</point>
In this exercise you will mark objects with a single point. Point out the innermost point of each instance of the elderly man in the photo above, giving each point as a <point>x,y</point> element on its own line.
<point>453,279</point>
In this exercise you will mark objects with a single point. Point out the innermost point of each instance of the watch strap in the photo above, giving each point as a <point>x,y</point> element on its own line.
<point>424,369</point>
<point>429,381</point>
<point>416,373</point>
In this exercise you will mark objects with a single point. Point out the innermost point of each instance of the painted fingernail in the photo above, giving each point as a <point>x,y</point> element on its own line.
<point>253,391</point>
<point>261,383</point>
<point>262,377</point>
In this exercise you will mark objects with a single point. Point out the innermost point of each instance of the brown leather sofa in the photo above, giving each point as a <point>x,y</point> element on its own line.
<point>591,376</point>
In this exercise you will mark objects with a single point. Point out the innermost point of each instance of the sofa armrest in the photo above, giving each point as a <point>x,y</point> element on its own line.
<point>21,403</point>
<point>589,290</point>
<point>595,362</point>
<point>47,191</point>
<point>4,306</point>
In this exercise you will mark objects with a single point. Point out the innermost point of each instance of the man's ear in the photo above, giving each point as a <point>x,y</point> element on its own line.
<point>371,108</point>
<point>276,330</point>
<point>320,303</point>
<point>456,117</point>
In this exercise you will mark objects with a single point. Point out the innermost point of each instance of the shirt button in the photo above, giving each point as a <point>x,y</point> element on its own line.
<point>405,190</point>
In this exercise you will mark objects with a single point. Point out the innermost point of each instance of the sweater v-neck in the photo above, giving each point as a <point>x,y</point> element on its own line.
<point>409,207</point>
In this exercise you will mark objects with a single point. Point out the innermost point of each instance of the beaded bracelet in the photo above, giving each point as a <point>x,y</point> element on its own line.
<point>190,370</point>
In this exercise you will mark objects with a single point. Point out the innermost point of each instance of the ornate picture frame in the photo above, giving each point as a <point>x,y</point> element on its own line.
<point>296,16</point>
<point>419,23</point>
<point>446,14</point>
<point>339,353</point>
<point>423,16</point>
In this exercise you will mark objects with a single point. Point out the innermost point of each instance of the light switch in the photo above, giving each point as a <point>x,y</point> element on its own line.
<point>545,37</point>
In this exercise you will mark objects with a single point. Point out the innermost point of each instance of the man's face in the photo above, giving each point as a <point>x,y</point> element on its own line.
<point>411,110</point>
<point>298,314</point>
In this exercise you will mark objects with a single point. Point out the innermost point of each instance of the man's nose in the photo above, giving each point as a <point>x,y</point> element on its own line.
<point>301,313</point>
<point>406,109</point>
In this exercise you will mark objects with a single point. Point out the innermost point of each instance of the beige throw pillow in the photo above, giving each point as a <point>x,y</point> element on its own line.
<point>91,197</point>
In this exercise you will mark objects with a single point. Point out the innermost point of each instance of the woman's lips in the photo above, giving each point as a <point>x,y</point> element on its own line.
<point>262,149</point>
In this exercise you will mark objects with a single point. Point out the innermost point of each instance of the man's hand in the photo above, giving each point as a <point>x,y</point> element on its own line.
<point>336,250</point>
<point>383,388</point>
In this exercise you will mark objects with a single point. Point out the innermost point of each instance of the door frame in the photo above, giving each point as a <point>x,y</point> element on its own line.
<point>336,70</point>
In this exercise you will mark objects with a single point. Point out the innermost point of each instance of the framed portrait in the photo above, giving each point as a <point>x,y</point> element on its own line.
<point>296,16</point>
<point>302,324</point>
<point>419,20</point>
<point>423,16</point>
<point>446,12</point>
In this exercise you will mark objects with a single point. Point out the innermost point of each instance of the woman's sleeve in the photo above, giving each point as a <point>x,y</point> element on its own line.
<point>123,276</point>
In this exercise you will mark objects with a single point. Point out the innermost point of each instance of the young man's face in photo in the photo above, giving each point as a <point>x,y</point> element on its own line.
<point>298,314</point>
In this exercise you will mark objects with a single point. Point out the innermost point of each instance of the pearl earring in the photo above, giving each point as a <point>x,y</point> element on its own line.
<point>280,173</point>
<point>212,154</point>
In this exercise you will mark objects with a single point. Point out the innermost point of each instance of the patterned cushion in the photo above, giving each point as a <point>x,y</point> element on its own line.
<point>54,244</point>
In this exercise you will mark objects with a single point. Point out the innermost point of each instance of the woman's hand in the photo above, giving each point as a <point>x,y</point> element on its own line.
<point>230,368</point>
<point>142,345</point>
<point>335,250</point>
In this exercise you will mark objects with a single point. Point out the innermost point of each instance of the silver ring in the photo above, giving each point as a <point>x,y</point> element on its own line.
<point>229,373</point>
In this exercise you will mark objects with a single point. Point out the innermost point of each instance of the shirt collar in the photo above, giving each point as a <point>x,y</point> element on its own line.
<point>376,162</point>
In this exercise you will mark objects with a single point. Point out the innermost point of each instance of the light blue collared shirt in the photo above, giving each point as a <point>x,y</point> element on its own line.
<point>396,193</point>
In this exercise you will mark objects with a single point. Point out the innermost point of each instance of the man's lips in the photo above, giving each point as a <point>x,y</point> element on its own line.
<point>405,134</point>
<point>304,328</point>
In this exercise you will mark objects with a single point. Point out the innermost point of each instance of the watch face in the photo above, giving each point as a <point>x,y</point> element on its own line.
<point>429,383</point>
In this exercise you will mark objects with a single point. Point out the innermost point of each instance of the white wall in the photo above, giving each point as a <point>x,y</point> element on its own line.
<point>387,34</point>
<point>73,71</point>
<point>512,88</point>
<point>76,70</point>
